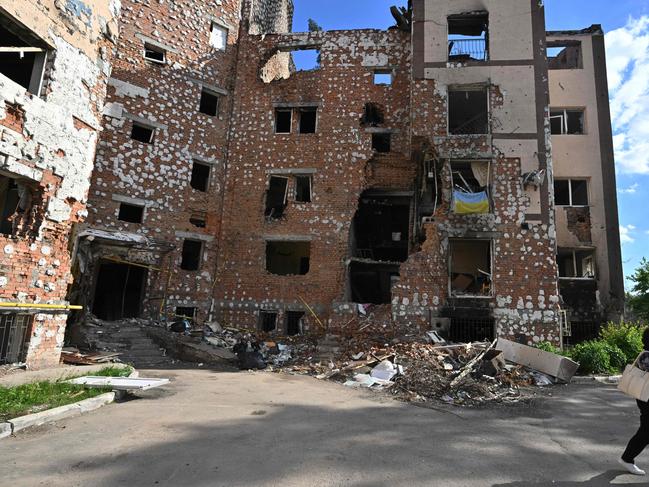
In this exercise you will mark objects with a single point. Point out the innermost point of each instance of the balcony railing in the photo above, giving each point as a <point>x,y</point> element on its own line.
<point>467,50</point>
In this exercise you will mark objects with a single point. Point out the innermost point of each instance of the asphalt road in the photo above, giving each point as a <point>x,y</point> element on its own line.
<point>259,429</point>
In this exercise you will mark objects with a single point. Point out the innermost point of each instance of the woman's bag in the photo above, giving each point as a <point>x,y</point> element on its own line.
<point>635,382</point>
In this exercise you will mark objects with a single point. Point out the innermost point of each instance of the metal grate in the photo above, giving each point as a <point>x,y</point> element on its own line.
<point>467,50</point>
<point>465,330</point>
<point>582,331</point>
<point>13,331</point>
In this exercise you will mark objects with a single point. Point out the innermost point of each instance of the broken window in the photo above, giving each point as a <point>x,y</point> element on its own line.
<point>571,192</point>
<point>154,53</point>
<point>381,142</point>
<point>142,133</point>
<point>15,204</point>
<point>209,104</point>
<point>306,59</point>
<point>200,176</point>
<point>566,122</point>
<point>372,115</point>
<point>130,213</point>
<point>468,111</point>
<point>308,120</point>
<point>383,77</point>
<point>191,255</point>
<point>471,186</point>
<point>564,55</point>
<point>294,323</point>
<point>218,36</point>
<point>22,55</point>
<point>186,312</point>
<point>470,267</point>
<point>468,37</point>
<point>474,328</point>
<point>14,333</point>
<point>283,118</point>
<point>576,264</point>
<point>119,290</point>
<point>371,282</point>
<point>288,258</point>
<point>303,189</point>
<point>198,219</point>
<point>276,196</point>
<point>268,321</point>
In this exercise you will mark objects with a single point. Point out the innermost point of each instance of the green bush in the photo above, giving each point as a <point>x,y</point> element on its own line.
<point>598,357</point>
<point>625,336</point>
<point>548,347</point>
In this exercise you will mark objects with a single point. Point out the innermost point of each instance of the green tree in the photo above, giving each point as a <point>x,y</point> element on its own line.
<point>639,300</point>
<point>313,26</point>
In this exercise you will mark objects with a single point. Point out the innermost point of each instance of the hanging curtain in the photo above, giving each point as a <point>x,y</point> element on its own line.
<point>480,171</point>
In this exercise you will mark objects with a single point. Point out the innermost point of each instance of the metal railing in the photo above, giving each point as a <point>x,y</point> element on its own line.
<point>465,330</point>
<point>468,50</point>
<point>13,331</point>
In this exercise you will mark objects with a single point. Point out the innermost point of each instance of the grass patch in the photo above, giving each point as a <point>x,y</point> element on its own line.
<point>39,396</point>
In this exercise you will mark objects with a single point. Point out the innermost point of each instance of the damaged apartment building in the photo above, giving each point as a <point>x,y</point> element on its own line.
<point>454,172</point>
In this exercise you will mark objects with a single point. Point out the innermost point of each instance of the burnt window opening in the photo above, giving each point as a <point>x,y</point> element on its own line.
<point>371,283</point>
<point>218,36</point>
<point>288,258</point>
<point>381,228</point>
<point>308,120</point>
<point>470,267</point>
<point>383,77</point>
<point>566,122</point>
<point>283,120</point>
<point>130,213</point>
<point>306,59</point>
<point>191,255</point>
<point>16,200</point>
<point>471,180</point>
<point>372,115</point>
<point>119,290</point>
<point>576,264</point>
<point>22,55</point>
<point>564,55</point>
<point>198,219</point>
<point>382,142</point>
<point>468,111</point>
<point>154,53</point>
<point>14,337</point>
<point>303,189</point>
<point>142,133</point>
<point>468,37</point>
<point>186,313</point>
<point>268,321</point>
<point>571,192</point>
<point>209,104</point>
<point>200,179</point>
<point>276,197</point>
<point>294,325</point>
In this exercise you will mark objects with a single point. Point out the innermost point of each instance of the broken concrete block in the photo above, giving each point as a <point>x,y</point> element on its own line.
<point>549,363</point>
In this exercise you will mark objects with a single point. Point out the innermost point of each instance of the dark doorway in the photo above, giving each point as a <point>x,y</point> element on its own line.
<point>294,322</point>
<point>119,291</point>
<point>371,283</point>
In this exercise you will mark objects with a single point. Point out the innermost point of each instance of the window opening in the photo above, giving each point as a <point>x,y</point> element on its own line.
<point>470,329</point>
<point>15,204</point>
<point>118,291</point>
<point>381,142</point>
<point>579,264</point>
<point>142,133</point>
<point>191,255</point>
<point>276,197</point>
<point>268,321</point>
<point>209,104</point>
<point>154,53</point>
<point>198,219</point>
<point>571,192</point>
<point>383,77</point>
<point>371,283</point>
<point>186,313</point>
<point>471,180</point>
<point>14,330</point>
<point>564,55</point>
<point>372,115</point>
<point>130,213</point>
<point>218,36</point>
<point>22,55</point>
<point>306,59</point>
<point>303,189</point>
<point>468,37</point>
<point>294,325</point>
<point>566,122</point>
<point>470,267</point>
<point>288,258</point>
<point>283,119</point>
<point>308,120</point>
<point>468,111</point>
<point>200,179</point>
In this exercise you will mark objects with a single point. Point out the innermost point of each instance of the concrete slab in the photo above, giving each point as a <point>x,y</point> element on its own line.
<point>58,373</point>
<point>5,430</point>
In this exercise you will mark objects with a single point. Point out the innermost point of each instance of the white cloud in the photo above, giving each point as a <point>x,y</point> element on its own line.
<point>628,76</point>
<point>631,189</point>
<point>626,234</point>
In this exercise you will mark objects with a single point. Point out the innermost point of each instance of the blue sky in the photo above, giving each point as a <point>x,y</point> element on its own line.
<point>626,23</point>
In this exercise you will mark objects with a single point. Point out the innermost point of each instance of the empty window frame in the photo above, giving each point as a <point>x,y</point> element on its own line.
<point>294,325</point>
<point>382,77</point>
<point>567,121</point>
<point>470,176</point>
<point>308,120</point>
<point>186,312</point>
<point>576,264</point>
<point>303,189</point>
<point>283,120</point>
<point>130,213</point>
<point>209,104</point>
<point>198,219</point>
<point>22,55</point>
<point>15,202</point>
<point>288,258</point>
<point>564,55</point>
<point>276,196</point>
<point>268,321</point>
<point>142,133</point>
<point>571,192</point>
<point>14,330</point>
<point>470,267</point>
<point>200,179</point>
<point>218,36</point>
<point>382,142</point>
<point>191,255</point>
<point>468,111</point>
<point>372,115</point>
<point>468,37</point>
<point>155,53</point>
<point>306,59</point>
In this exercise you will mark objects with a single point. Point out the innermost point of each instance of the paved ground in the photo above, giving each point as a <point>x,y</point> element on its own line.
<point>259,429</point>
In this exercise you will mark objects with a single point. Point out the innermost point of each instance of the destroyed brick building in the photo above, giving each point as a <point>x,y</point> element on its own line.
<point>448,173</point>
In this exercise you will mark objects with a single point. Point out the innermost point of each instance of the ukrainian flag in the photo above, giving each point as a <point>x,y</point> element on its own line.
<point>469,203</point>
